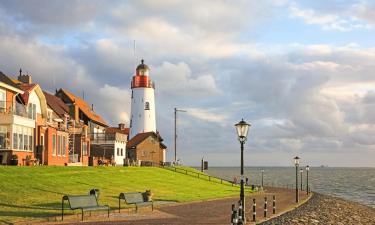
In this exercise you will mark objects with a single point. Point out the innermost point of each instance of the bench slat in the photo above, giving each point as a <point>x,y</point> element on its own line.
<point>82,201</point>
<point>133,197</point>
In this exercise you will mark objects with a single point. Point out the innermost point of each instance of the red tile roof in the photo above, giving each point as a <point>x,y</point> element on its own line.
<point>111,130</point>
<point>7,80</point>
<point>56,104</point>
<point>85,108</point>
<point>27,88</point>
<point>137,139</point>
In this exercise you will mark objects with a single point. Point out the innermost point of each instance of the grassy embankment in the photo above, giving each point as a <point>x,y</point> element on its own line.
<point>35,192</point>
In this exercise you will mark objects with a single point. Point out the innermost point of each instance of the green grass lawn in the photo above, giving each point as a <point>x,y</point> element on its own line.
<point>34,192</point>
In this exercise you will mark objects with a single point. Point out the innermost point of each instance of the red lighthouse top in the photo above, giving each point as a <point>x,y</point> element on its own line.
<point>141,78</point>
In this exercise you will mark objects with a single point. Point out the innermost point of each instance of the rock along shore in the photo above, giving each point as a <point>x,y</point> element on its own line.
<point>323,209</point>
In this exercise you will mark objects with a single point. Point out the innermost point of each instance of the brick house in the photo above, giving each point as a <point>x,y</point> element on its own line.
<point>56,151</point>
<point>83,123</point>
<point>146,149</point>
<point>15,123</point>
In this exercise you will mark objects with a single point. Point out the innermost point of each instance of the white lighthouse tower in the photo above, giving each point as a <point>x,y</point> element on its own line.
<point>142,102</point>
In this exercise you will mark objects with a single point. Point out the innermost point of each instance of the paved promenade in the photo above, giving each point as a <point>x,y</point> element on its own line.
<point>327,210</point>
<point>204,212</point>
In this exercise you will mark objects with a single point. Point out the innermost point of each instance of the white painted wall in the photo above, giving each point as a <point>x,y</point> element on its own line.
<point>34,99</point>
<point>142,120</point>
<point>120,158</point>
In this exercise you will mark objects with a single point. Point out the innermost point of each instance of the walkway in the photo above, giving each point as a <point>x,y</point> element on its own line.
<point>204,212</point>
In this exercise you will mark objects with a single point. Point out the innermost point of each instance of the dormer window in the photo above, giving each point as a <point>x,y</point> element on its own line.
<point>147,106</point>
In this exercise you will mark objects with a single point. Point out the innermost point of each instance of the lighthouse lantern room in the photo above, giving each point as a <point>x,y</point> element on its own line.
<point>142,102</point>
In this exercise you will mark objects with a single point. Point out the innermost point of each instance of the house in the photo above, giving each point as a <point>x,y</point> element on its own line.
<point>36,107</point>
<point>16,124</point>
<point>83,123</point>
<point>110,145</point>
<point>146,149</point>
<point>56,151</point>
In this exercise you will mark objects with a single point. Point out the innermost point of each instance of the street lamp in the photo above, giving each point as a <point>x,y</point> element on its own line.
<point>307,179</point>
<point>301,172</point>
<point>175,133</point>
<point>242,128</point>
<point>296,163</point>
<point>262,176</point>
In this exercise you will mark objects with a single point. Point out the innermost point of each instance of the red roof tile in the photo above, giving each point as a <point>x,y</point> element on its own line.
<point>84,108</point>
<point>111,130</point>
<point>56,104</point>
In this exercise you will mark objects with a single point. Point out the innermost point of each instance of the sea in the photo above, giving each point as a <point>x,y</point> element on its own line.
<point>355,184</point>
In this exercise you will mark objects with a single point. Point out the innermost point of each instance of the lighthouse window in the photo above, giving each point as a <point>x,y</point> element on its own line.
<point>147,106</point>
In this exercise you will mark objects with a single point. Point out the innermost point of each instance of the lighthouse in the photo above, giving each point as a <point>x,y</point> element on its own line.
<point>142,102</point>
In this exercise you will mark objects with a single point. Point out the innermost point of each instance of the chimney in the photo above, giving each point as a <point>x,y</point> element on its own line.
<point>26,79</point>
<point>121,126</point>
<point>92,107</point>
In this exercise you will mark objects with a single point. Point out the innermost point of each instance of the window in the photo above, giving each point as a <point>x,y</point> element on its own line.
<point>147,106</point>
<point>34,111</point>
<point>84,148</point>
<point>20,141</point>
<point>30,141</point>
<point>31,111</point>
<point>122,152</point>
<point>25,142</point>
<point>54,144</point>
<point>3,98</point>
<point>118,151</point>
<point>58,145</point>
<point>15,140</point>
<point>49,116</point>
<point>64,146</point>
<point>3,137</point>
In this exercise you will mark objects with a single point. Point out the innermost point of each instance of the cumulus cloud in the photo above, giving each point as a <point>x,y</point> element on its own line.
<point>328,21</point>
<point>209,58</point>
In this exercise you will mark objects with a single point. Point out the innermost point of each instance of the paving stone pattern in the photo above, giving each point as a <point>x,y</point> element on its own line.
<point>327,210</point>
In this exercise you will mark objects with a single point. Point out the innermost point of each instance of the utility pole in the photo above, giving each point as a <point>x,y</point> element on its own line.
<point>175,132</point>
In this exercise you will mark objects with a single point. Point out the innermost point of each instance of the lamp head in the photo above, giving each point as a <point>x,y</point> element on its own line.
<point>296,161</point>
<point>242,128</point>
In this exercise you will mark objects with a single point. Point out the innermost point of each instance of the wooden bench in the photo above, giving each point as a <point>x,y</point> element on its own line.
<point>82,202</point>
<point>135,198</point>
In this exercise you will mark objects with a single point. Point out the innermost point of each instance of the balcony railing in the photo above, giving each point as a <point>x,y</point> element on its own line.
<point>102,137</point>
<point>13,108</point>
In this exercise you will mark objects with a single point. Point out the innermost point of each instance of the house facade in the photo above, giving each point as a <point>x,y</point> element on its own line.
<point>16,125</point>
<point>146,149</point>
<point>110,146</point>
<point>56,133</point>
<point>83,122</point>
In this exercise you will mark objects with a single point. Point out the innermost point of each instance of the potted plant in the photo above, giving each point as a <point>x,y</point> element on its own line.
<point>148,196</point>
<point>14,160</point>
<point>28,160</point>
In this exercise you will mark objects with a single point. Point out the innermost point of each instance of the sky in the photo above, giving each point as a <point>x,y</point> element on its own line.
<point>302,73</point>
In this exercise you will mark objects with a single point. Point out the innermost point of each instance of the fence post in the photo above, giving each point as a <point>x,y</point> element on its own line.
<point>209,178</point>
<point>274,205</point>
<point>254,210</point>
<point>239,211</point>
<point>234,219</point>
<point>265,207</point>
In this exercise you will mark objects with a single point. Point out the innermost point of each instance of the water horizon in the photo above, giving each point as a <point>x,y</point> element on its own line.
<point>351,183</point>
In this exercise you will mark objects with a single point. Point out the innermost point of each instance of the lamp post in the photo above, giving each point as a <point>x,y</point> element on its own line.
<point>242,128</point>
<point>296,163</point>
<point>307,179</point>
<point>262,176</point>
<point>301,172</point>
<point>175,133</point>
